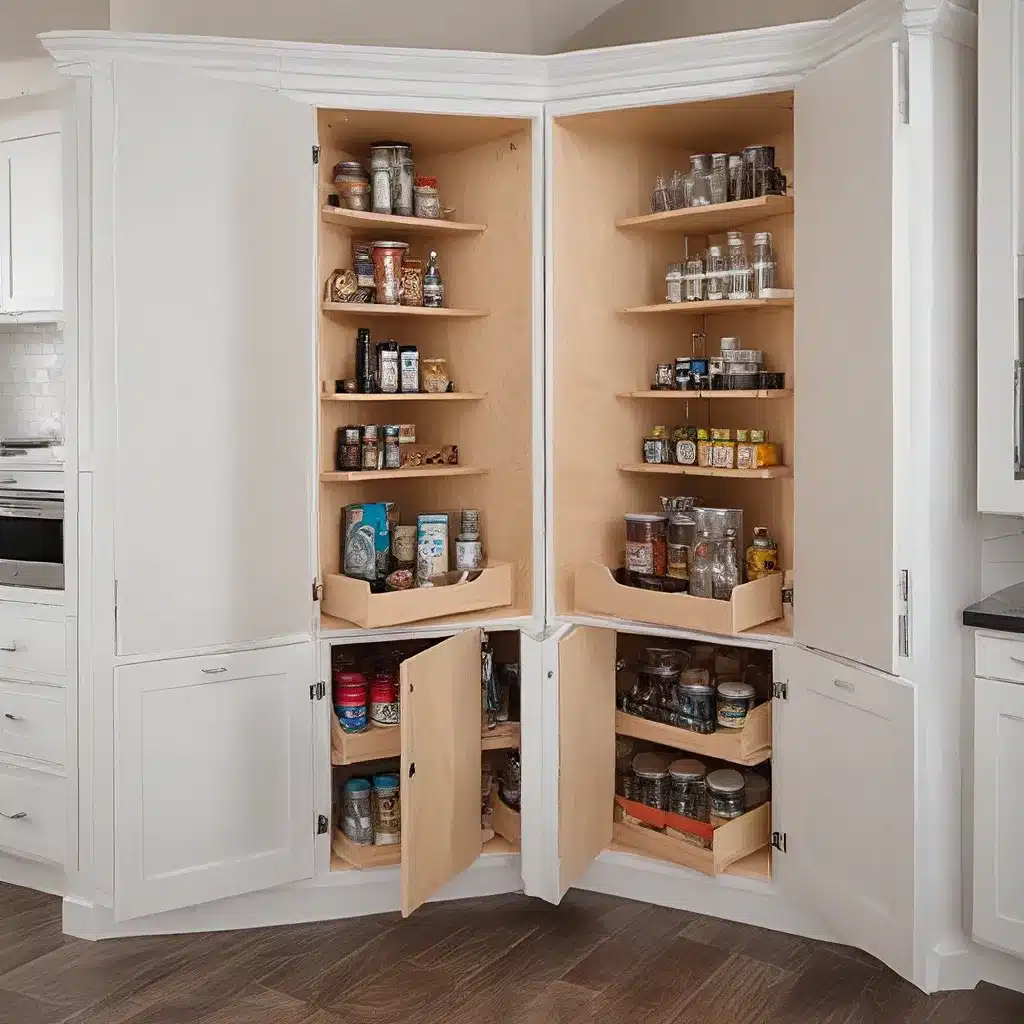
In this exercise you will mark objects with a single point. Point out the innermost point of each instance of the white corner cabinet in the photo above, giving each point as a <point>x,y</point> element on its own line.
<point>208,418</point>
<point>31,222</point>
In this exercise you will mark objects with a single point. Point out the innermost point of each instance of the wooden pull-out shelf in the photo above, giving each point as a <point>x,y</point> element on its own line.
<point>358,220</point>
<point>711,220</point>
<point>366,857</point>
<point>733,840</point>
<point>366,475</point>
<point>597,592</point>
<point>748,746</point>
<point>708,306</point>
<point>350,599</point>
<point>505,821</point>
<point>379,309</point>
<point>700,396</point>
<point>670,469</point>
<point>417,396</point>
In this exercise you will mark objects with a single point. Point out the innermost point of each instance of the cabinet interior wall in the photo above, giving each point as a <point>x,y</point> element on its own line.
<point>484,169</point>
<point>604,167</point>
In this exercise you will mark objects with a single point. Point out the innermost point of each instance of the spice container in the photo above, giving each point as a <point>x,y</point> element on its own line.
<point>736,177</point>
<point>409,369</point>
<point>740,273</point>
<point>716,273</point>
<point>719,178</point>
<point>349,173</point>
<point>387,367</point>
<point>510,785</point>
<point>372,450</point>
<point>664,377</point>
<point>387,811</point>
<point>349,451</point>
<point>403,546</point>
<point>365,369</point>
<point>685,452</point>
<point>723,455</point>
<point>392,174</point>
<point>762,555</point>
<point>756,790</point>
<point>661,201</point>
<point>646,544</point>
<point>689,791</point>
<point>725,793</point>
<point>384,710</point>
<point>433,286</point>
<point>425,199</point>
<point>693,279</point>
<point>362,263</point>
<point>695,697</point>
<point>350,701</point>
<point>705,449</point>
<point>435,376</point>
<point>656,450</point>
<point>758,170</point>
<point>468,549</point>
<point>764,263</point>
<point>431,546</point>
<point>387,271</point>
<point>725,574</point>
<point>650,780</point>
<point>701,564</point>
<point>674,283</point>
<point>682,373</point>
<point>412,282</point>
<point>700,180</point>
<point>716,521</point>
<point>356,814</point>
<point>392,449</point>
<point>735,702</point>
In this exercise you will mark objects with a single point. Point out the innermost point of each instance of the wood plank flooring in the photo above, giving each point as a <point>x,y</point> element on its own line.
<point>502,960</point>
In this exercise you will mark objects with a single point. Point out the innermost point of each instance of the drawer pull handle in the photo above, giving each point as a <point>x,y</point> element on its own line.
<point>213,671</point>
<point>14,817</point>
<point>1017,661</point>
<point>11,649</point>
<point>8,480</point>
<point>844,685</point>
<point>13,718</point>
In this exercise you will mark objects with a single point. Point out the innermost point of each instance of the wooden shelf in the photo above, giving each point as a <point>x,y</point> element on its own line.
<point>712,220</point>
<point>504,736</point>
<point>499,844</point>
<point>767,473</point>
<point>419,396</point>
<point>705,308</point>
<point>776,394</point>
<point>364,858</point>
<point>356,220</point>
<point>747,746</point>
<point>757,865</point>
<point>379,309</point>
<point>366,476</point>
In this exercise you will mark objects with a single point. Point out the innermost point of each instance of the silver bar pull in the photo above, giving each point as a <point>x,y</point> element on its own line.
<point>844,685</point>
<point>1017,661</point>
<point>8,480</point>
<point>11,649</point>
<point>213,671</point>
<point>14,817</point>
<point>1018,412</point>
<point>12,718</point>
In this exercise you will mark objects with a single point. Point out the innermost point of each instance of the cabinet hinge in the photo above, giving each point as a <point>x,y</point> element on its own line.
<point>318,591</point>
<point>779,841</point>
<point>903,617</point>
<point>780,691</point>
<point>316,154</point>
<point>787,594</point>
<point>318,691</point>
<point>322,824</point>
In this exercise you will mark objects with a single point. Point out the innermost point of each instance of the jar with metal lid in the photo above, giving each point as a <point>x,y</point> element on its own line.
<point>372,452</point>
<point>664,377</point>
<point>735,701</point>
<point>693,279</point>
<point>680,521</point>
<point>740,273</point>
<point>716,265</point>
<point>736,177</point>
<point>702,564</point>
<point>695,701</point>
<point>392,447</point>
<point>725,574</point>
<point>682,373</point>
<point>388,373</point>
<point>349,175</point>
<point>756,790</point>
<point>719,178</point>
<point>650,779</point>
<point>700,179</point>
<point>656,450</point>
<point>661,200</point>
<point>674,283</point>
<point>688,787</point>
<point>646,544</point>
<point>349,455</point>
<point>387,811</point>
<point>426,202</point>
<point>356,815</point>
<point>705,450</point>
<point>764,263</point>
<point>725,793</point>
<point>762,555</point>
<point>392,176</point>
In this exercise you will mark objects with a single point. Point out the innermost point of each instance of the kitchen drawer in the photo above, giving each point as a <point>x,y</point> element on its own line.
<point>31,480</point>
<point>998,658</point>
<point>31,643</point>
<point>32,722</point>
<point>32,814</point>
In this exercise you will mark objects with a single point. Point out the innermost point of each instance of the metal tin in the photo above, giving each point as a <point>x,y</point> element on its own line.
<point>734,702</point>
<point>689,791</point>
<point>696,702</point>
<point>650,779</point>
<point>431,546</point>
<point>664,377</point>
<point>773,381</point>
<point>387,811</point>
<point>744,355</point>
<point>730,344</point>
<point>656,451</point>
<point>356,816</point>
<point>686,453</point>
<point>742,381</point>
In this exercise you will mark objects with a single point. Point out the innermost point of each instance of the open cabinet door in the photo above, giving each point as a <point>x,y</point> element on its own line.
<point>586,761</point>
<point>847,260</point>
<point>843,772</point>
<point>441,762</point>
<point>213,252</point>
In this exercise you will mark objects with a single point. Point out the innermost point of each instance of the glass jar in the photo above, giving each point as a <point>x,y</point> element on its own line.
<point>388,374</point>
<point>700,180</point>
<point>677,190</point>
<point>702,565</point>
<point>725,793</point>
<point>758,170</point>
<point>695,702</point>
<point>392,173</point>
<point>719,178</point>
<point>412,282</point>
<point>426,202</point>
<point>356,815</point>
<point>350,441</point>
<point>736,177</point>
<point>372,451</point>
<point>387,271</point>
<point>725,572</point>
<point>764,263</point>
<point>740,273</point>
<point>661,201</point>
<point>650,780</point>
<point>680,521</point>
<point>392,447</point>
<point>674,283</point>
<point>689,791</point>
<point>693,279</point>
<point>387,811</point>
<point>762,555</point>
<point>646,544</point>
<point>435,375</point>
<point>734,702</point>
<point>756,790</point>
<point>716,268</point>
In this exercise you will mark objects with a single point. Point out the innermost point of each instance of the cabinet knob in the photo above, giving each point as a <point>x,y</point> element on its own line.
<point>14,817</point>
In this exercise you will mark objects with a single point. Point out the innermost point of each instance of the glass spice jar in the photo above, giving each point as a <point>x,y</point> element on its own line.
<point>689,791</point>
<point>646,544</point>
<point>372,453</point>
<point>725,573</point>
<point>356,815</point>
<point>693,279</point>
<point>387,271</point>
<point>740,272</point>
<point>705,449</point>
<point>700,179</point>
<point>661,201</point>
<point>674,283</point>
<point>736,177</point>
<point>392,447</point>
<point>650,780</point>
<point>412,282</point>
<point>702,565</point>
<point>349,448</point>
<point>435,376</point>
<point>764,263</point>
<point>725,793</point>
<point>716,265</point>
<point>719,178</point>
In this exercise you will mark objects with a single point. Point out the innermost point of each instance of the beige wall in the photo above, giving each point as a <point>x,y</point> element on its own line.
<point>643,21</point>
<point>22,20</point>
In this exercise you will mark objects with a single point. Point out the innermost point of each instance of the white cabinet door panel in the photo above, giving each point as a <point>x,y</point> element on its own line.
<point>31,257</point>
<point>214,247</point>
<point>843,781</point>
<point>844,286</point>
<point>999,814</point>
<point>213,791</point>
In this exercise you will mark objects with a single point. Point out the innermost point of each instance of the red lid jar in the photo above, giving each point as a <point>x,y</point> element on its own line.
<point>348,680</point>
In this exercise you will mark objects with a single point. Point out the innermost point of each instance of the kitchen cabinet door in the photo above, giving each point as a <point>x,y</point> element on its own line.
<point>843,801</point>
<point>213,791</point>
<point>441,764</point>
<point>31,257</point>
<point>214,218</point>
<point>998,814</point>
<point>847,240</point>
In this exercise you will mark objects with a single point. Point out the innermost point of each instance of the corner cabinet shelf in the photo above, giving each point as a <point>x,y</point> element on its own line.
<point>379,309</point>
<point>418,396</point>
<point>368,475</point>
<point>364,858</point>
<point>711,220</point>
<point>747,746</point>
<point>776,394</point>
<point>357,220</point>
<point>706,307</point>
<point>766,473</point>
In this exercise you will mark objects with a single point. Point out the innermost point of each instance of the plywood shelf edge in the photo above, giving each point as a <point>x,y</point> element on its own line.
<point>776,394</point>
<point>417,396</point>
<point>366,476</point>
<point>711,219</point>
<point>364,858</point>
<point>379,309</point>
<point>357,220</point>
<point>707,307</point>
<point>766,473</point>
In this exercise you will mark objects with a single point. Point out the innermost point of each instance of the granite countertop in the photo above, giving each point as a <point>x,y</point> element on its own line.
<point>1003,611</point>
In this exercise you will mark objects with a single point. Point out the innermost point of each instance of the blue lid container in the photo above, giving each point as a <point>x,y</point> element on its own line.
<point>357,786</point>
<point>385,782</point>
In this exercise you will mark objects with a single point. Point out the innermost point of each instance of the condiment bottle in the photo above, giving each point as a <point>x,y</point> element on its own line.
<point>762,555</point>
<point>433,286</point>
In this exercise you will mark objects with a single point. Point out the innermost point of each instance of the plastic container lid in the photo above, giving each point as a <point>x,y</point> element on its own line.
<point>390,245</point>
<point>736,691</point>
<point>726,780</point>
<point>391,781</point>
<point>645,517</point>
<point>730,344</point>
<point>687,768</point>
<point>652,765</point>
<point>356,786</point>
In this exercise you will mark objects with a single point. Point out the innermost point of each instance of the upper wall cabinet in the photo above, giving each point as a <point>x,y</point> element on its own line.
<point>1000,263</point>
<point>30,215</point>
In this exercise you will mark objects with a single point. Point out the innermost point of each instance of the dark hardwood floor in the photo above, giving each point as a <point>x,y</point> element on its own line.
<point>594,960</point>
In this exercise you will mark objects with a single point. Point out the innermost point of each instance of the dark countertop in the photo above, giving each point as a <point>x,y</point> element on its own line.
<point>1004,611</point>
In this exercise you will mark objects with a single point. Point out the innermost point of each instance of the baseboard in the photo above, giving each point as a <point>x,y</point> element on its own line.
<point>964,968</point>
<point>33,875</point>
<point>340,895</point>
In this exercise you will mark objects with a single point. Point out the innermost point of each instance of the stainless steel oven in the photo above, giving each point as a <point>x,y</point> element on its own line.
<point>32,538</point>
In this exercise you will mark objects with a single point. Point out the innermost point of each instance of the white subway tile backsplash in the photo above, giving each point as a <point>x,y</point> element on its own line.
<point>31,380</point>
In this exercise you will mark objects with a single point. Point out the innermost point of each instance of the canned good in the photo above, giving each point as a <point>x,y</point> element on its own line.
<point>735,702</point>
<point>696,700</point>
<point>646,544</point>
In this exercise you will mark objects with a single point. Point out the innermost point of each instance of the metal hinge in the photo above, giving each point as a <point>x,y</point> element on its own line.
<point>787,594</point>
<point>322,824</point>
<point>779,841</point>
<point>318,591</point>
<point>780,691</point>
<point>318,691</point>
<point>316,154</point>
<point>903,619</point>
<point>903,83</point>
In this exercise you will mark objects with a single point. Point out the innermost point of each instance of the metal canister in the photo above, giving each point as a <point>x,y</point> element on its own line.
<point>392,169</point>
<point>350,440</point>
<point>392,447</point>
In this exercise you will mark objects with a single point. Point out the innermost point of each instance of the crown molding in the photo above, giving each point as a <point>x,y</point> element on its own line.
<point>942,18</point>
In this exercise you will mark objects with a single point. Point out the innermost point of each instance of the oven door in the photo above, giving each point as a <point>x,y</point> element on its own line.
<point>32,539</point>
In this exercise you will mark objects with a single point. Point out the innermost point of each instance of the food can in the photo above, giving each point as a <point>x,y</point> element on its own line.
<point>646,544</point>
<point>735,701</point>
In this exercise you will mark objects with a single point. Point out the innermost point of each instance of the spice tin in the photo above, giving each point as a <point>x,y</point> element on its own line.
<point>696,701</point>
<point>689,791</point>
<point>746,455</point>
<point>349,453</point>
<point>384,709</point>
<point>724,455</point>
<point>407,433</point>
<point>356,815</point>
<point>387,811</point>
<point>391,170</point>
<point>431,546</point>
<point>725,793</point>
<point>656,450</point>
<point>469,554</point>
<point>686,453</point>
<point>735,701</point>
<point>664,377</point>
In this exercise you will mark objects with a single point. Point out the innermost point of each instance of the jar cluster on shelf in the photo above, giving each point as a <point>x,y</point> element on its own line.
<point>734,369</point>
<point>716,178</point>
<point>383,273</point>
<point>391,186</point>
<point>710,448</point>
<point>734,271</point>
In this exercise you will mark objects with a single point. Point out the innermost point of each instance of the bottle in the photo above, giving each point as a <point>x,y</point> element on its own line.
<point>433,286</point>
<point>762,555</point>
<point>365,377</point>
<point>702,565</point>
<point>726,570</point>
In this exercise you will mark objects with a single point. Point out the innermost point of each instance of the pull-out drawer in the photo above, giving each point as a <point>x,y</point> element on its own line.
<point>32,479</point>
<point>32,643</point>
<point>32,722</point>
<point>998,658</point>
<point>32,814</point>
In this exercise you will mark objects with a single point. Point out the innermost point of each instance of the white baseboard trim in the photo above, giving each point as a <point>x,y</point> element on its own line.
<point>33,875</point>
<point>964,968</point>
<point>340,895</point>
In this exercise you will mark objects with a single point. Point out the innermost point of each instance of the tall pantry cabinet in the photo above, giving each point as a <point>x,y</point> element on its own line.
<point>212,505</point>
